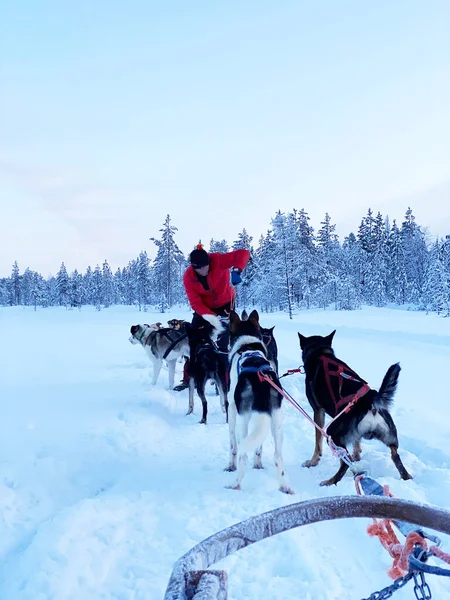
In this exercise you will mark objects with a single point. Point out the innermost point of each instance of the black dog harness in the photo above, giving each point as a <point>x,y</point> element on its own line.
<point>175,341</point>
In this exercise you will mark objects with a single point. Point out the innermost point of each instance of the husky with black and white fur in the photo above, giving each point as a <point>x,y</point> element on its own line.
<point>252,401</point>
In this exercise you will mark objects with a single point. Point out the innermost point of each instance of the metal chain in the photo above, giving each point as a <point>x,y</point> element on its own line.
<point>390,589</point>
<point>421,588</point>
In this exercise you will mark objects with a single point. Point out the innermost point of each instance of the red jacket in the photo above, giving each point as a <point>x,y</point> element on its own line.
<point>221,291</point>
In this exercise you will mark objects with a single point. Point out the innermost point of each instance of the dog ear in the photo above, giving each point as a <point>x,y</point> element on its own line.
<point>234,320</point>
<point>254,319</point>
<point>302,339</point>
<point>254,316</point>
<point>330,337</point>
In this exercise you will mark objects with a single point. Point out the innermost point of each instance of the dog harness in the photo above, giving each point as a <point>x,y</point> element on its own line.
<point>252,361</point>
<point>343,384</point>
<point>174,343</point>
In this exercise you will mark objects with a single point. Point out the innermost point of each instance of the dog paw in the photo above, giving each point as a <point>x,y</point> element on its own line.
<point>258,466</point>
<point>202,422</point>
<point>327,482</point>
<point>190,411</point>
<point>230,468</point>
<point>310,463</point>
<point>287,490</point>
<point>236,486</point>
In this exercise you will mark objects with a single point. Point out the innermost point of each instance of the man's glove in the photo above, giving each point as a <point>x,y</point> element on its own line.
<point>236,276</point>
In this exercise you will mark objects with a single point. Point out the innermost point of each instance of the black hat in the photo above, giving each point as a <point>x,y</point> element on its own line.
<point>199,257</point>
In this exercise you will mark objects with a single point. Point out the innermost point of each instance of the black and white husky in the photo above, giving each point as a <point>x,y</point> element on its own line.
<point>252,401</point>
<point>161,344</point>
<point>205,363</point>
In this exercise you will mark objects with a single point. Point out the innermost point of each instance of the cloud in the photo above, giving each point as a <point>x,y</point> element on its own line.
<point>81,204</point>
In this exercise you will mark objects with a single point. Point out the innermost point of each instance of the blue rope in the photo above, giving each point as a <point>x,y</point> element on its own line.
<point>417,565</point>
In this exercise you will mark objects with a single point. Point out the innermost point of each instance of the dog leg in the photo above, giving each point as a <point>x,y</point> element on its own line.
<point>232,430</point>
<point>338,475</point>
<point>277,433</point>
<point>157,364</point>
<point>319,419</point>
<point>201,393</point>
<point>257,461</point>
<point>398,463</point>
<point>242,433</point>
<point>222,395</point>
<point>356,451</point>
<point>171,364</point>
<point>191,396</point>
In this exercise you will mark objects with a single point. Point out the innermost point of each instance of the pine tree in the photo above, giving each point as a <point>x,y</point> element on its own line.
<point>129,283</point>
<point>75,289</point>
<point>52,292</point>
<point>376,264</point>
<point>37,291</point>
<point>216,246</point>
<point>166,269</point>
<point>243,292</point>
<point>349,291</point>
<point>284,260</point>
<point>87,288</point>
<point>143,280</point>
<point>436,293</point>
<point>14,295</point>
<point>328,260</point>
<point>414,248</point>
<point>62,280</point>
<point>97,288</point>
<point>264,288</point>
<point>119,286</point>
<point>25,287</point>
<point>306,266</point>
<point>396,278</point>
<point>108,291</point>
<point>4,291</point>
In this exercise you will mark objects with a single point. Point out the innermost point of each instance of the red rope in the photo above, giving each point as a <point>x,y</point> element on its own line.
<point>440,554</point>
<point>383,530</point>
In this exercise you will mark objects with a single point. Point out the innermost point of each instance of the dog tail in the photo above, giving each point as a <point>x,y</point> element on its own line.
<point>385,396</point>
<point>261,425</point>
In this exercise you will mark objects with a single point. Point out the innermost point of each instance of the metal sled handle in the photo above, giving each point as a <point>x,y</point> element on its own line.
<point>190,575</point>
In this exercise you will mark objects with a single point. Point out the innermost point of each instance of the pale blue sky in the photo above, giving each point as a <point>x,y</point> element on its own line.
<point>115,113</point>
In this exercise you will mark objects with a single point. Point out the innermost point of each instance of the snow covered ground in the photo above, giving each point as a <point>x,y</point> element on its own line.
<point>104,482</point>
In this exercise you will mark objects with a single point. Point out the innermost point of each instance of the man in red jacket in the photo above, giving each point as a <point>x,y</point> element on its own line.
<point>209,291</point>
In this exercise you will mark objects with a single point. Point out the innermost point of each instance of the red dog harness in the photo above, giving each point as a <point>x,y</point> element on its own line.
<point>346,387</point>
